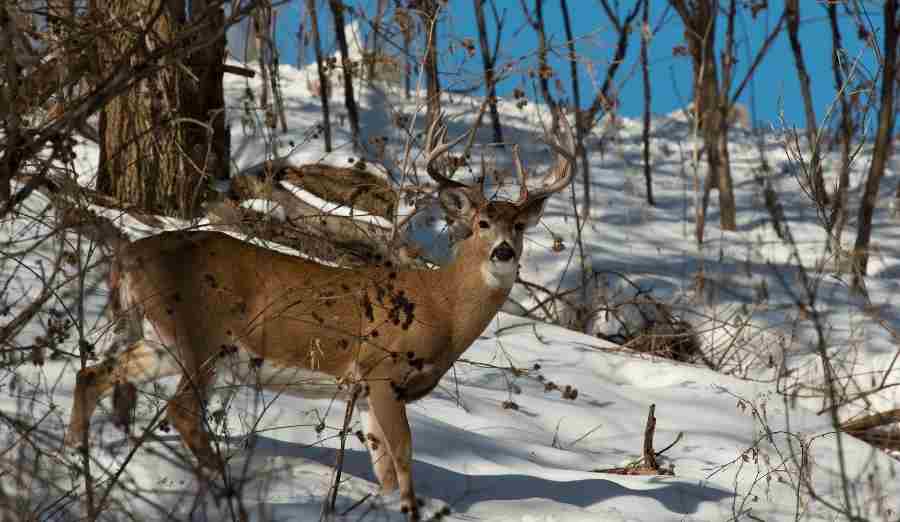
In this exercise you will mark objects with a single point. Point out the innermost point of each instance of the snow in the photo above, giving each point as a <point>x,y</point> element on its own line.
<point>337,209</point>
<point>744,434</point>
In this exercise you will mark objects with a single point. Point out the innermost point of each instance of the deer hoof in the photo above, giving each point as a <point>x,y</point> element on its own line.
<point>412,511</point>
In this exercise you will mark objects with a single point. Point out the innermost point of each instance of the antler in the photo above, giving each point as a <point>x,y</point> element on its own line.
<point>560,176</point>
<point>437,132</point>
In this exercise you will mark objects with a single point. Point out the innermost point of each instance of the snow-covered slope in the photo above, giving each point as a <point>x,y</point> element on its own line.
<point>535,462</point>
<point>491,443</point>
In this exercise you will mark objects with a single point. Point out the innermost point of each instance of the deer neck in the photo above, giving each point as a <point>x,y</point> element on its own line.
<point>476,294</point>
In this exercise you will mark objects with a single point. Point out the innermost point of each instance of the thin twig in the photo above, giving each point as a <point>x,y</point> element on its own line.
<point>339,464</point>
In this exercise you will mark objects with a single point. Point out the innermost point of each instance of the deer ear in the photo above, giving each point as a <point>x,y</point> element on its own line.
<point>457,203</point>
<point>459,207</point>
<point>532,211</point>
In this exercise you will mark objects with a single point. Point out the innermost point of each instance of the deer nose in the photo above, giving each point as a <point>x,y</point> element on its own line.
<point>504,252</point>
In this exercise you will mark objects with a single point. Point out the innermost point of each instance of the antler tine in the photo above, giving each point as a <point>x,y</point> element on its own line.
<point>437,132</point>
<point>521,174</point>
<point>561,174</point>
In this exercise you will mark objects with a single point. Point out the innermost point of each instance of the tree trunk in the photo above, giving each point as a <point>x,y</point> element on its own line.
<point>544,72</point>
<point>727,207</point>
<point>605,98</point>
<point>580,125</point>
<point>699,19</point>
<point>581,152</point>
<point>645,76</point>
<point>488,62</point>
<point>205,101</point>
<point>9,93</point>
<point>432,82</point>
<point>701,39</point>
<point>406,23</point>
<point>839,205</point>
<point>882,150</point>
<point>324,85</point>
<point>814,170</point>
<point>705,112</point>
<point>347,69</point>
<point>260,20</point>
<point>163,138</point>
<point>374,51</point>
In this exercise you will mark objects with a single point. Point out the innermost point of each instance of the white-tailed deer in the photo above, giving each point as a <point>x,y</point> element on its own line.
<point>226,308</point>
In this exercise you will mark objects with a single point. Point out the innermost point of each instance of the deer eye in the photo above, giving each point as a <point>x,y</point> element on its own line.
<point>519,227</point>
<point>484,224</point>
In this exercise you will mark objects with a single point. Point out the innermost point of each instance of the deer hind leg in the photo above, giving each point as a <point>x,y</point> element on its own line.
<point>186,412</point>
<point>389,414</point>
<point>142,362</point>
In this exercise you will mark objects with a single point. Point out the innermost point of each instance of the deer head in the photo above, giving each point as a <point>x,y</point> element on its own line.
<point>493,231</point>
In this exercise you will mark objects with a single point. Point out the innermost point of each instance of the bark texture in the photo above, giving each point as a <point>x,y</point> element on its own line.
<point>883,143</point>
<point>165,136</point>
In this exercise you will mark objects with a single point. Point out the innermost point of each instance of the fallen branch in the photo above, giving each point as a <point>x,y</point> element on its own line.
<point>330,237</point>
<point>865,429</point>
<point>239,71</point>
<point>874,420</point>
<point>358,189</point>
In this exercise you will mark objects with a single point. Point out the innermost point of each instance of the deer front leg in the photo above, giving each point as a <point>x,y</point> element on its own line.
<point>388,414</point>
<point>186,414</point>
<point>382,461</point>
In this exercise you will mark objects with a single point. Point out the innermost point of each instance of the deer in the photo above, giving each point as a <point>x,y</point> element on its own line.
<point>225,308</point>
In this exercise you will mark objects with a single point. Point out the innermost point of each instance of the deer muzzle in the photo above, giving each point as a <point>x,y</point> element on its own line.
<point>503,252</point>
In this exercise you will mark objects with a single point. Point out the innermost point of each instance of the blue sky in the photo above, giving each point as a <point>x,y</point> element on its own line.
<point>774,89</point>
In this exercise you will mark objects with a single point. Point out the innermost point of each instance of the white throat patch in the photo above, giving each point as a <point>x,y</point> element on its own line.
<point>499,275</point>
